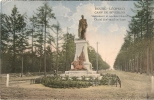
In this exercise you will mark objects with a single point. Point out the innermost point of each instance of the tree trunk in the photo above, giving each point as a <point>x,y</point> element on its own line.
<point>140,64</point>
<point>151,61</point>
<point>137,67</point>
<point>147,62</point>
<point>129,66</point>
<point>45,51</point>
<point>14,55</point>
<point>40,65</point>
<point>22,65</point>
<point>57,52</point>
<point>32,52</point>
<point>45,44</point>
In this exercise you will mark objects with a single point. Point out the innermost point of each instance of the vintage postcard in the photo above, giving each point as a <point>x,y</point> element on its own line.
<point>77,49</point>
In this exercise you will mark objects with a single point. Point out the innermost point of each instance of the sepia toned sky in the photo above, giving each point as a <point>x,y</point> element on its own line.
<point>108,34</point>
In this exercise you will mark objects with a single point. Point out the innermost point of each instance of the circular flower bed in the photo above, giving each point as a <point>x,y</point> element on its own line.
<point>74,82</point>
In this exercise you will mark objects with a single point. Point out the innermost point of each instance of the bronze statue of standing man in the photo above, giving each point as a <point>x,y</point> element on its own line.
<point>82,28</point>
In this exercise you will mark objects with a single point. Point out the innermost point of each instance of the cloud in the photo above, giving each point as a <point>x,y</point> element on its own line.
<point>106,4</point>
<point>123,29</point>
<point>61,10</point>
<point>113,28</point>
<point>84,9</point>
<point>29,7</point>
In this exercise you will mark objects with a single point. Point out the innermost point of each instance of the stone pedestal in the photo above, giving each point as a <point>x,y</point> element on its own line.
<point>82,45</point>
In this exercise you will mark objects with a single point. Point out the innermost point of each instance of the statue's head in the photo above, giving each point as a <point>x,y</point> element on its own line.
<point>82,16</point>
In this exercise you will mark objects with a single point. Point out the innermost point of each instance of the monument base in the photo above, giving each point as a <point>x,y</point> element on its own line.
<point>81,61</point>
<point>78,73</point>
<point>81,46</point>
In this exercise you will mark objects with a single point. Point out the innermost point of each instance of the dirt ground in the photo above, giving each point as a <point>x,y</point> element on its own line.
<point>134,86</point>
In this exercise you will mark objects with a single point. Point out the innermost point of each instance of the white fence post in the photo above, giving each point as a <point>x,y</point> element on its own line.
<point>7,80</point>
<point>152,80</point>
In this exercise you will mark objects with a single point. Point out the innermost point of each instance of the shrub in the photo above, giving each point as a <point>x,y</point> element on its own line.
<point>91,79</point>
<point>66,78</point>
<point>74,78</point>
<point>83,78</point>
<point>38,80</point>
<point>58,82</point>
<point>108,79</point>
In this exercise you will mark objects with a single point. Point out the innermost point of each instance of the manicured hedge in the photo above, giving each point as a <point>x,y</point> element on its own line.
<point>59,82</point>
<point>74,82</point>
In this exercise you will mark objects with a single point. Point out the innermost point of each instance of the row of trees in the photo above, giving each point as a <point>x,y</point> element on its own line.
<point>136,54</point>
<point>37,44</point>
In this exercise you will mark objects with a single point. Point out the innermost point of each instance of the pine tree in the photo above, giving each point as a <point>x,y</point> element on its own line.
<point>44,14</point>
<point>58,32</point>
<point>141,28</point>
<point>13,25</point>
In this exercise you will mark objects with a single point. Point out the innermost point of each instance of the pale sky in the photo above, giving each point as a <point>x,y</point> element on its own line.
<point>109,34</point>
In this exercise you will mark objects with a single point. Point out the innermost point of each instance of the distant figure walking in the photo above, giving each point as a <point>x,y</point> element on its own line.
<point>118,81</point>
